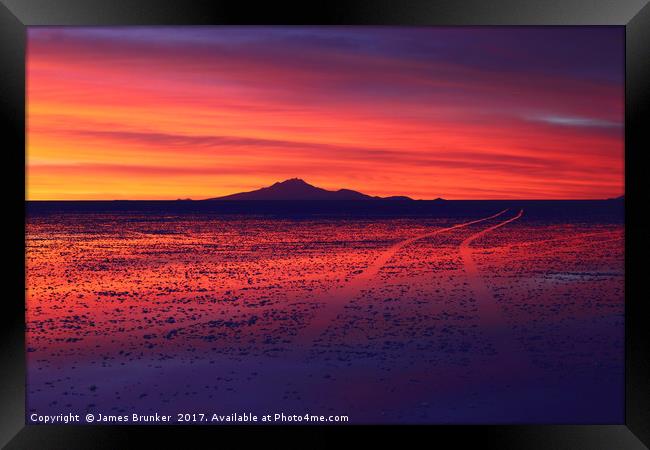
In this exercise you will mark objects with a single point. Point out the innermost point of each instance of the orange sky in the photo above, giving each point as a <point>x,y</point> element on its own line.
<point>468,113</point>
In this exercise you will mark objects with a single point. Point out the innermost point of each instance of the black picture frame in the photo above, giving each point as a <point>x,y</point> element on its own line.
<point>16,15</point>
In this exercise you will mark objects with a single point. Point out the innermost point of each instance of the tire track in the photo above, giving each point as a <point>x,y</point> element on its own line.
<point>510,353</point>
<point>339,298</point>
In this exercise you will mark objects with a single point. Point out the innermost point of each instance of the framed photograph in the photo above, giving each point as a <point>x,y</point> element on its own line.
<point>405,219</point>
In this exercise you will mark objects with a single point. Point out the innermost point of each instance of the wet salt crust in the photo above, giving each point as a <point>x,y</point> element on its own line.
<point>380,319</point>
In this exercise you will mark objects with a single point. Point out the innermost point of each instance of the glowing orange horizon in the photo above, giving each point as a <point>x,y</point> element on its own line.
<point>167,113</point>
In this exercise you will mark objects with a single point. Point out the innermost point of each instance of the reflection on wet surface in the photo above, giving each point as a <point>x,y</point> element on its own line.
<point>496,318</point>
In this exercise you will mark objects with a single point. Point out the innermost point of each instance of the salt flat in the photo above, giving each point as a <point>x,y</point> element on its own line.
<point>501,315</point>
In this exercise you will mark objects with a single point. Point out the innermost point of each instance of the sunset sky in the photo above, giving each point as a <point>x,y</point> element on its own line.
<point>198,112</point>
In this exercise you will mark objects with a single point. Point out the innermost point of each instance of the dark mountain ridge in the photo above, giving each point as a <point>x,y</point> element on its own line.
<point>297,189</point>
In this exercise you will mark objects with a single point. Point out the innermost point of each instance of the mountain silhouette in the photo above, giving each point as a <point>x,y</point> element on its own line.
<point>297,189</point>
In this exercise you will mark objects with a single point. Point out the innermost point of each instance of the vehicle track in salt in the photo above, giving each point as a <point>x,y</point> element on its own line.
<point>509,353</point>
<point>337,299</point>
<point>510,356</point>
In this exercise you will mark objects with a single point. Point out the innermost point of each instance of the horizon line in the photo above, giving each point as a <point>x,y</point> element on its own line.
<point>212,199</point>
